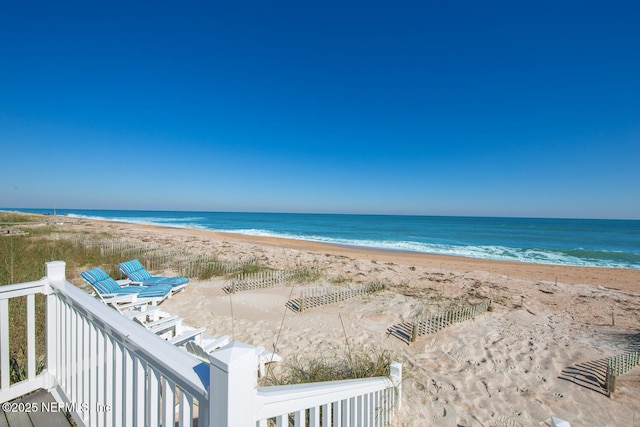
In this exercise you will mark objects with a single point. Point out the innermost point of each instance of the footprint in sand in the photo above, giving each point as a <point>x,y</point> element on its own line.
<point>420,386</point>
<point>449,387</point>
<point>504,422</point>
<point>483,385</point>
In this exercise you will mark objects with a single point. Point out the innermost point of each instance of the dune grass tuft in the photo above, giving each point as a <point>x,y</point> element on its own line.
<point>365,363</point>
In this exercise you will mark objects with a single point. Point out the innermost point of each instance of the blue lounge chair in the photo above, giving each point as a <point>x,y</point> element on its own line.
<point>140,276</point>
<point>107,288</point>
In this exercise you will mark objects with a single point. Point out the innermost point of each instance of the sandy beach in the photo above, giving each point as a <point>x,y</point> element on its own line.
<point>538,354</point>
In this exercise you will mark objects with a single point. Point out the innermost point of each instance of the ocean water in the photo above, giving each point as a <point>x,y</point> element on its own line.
<point>585,242</point>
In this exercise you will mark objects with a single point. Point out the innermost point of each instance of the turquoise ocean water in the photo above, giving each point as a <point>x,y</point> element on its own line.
<point>586,242</point>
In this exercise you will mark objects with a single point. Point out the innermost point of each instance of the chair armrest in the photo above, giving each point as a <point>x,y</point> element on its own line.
<point>179,339</point>
<point>131,311</point>
<point>216,343</point>
<point>117,298</point>
<point>163,324</point>
<point>132,283</point>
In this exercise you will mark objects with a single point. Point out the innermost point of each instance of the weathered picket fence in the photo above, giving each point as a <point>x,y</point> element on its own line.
<point>108,371</point>
<point>619,365</point>
<point>155,258</point>
<point>262,279</point>
<point>434,322</point>
<point>112,246</point>
<point>203,265</point>
<point>319,296</point>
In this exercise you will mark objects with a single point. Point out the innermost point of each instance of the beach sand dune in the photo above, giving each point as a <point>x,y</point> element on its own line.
<point>539,353</point>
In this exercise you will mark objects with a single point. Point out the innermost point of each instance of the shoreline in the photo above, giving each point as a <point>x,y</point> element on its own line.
<point>627,279</point>
<point>356,245</point>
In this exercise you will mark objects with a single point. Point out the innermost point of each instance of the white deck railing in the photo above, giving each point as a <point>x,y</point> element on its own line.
<point>365,402</point>
<point>362,402</point>
<point>109,371</point>
<point>104,368</point>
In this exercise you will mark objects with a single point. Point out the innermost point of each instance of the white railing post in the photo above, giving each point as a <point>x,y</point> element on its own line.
<point>232,386</point>
<point>54,272</point>
<point>396,378</point>
<point>5,367</point>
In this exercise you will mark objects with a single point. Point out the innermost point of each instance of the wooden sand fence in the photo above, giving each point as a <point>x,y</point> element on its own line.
<point>207,265</point>
<point>434,322</point>
<point>319,296</point>
<point>155,258</point>
<point>262,279</point>
<point>619,365</point>
<point>109,246</point>
<point>192,265</point>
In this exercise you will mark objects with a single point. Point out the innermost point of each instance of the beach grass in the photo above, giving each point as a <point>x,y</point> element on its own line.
<point>320,367</point>
<point>23,257</point>
<point>23,254</point>
<point>305,274</point>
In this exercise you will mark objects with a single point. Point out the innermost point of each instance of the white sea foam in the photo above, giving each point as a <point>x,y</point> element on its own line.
<point>146,220</point>
<point>501,253</point>
<point>504,253</point>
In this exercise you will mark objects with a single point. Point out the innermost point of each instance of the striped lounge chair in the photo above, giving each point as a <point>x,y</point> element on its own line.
<point>140,276</point>
<point>107,289</point>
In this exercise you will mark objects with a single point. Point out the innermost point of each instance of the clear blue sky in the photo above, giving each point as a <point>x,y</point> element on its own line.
<point>513,108</point>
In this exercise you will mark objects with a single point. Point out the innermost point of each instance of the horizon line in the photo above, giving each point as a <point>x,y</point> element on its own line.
<point>329,213</point>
